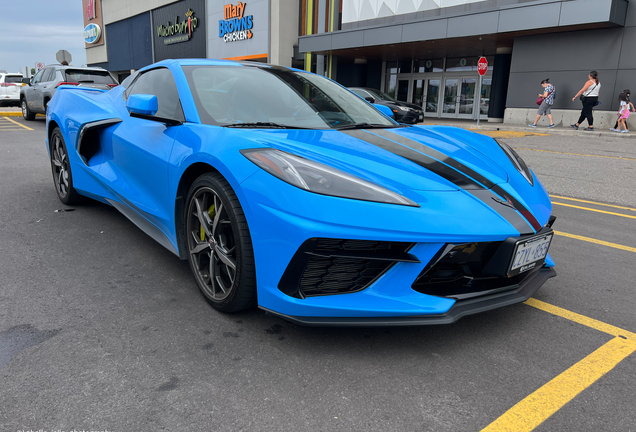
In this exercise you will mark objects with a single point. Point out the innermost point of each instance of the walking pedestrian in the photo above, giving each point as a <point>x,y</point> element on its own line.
<point>589,97</point>
<point>623,114</point>
<point>631,106</point>
<point>546,105</point>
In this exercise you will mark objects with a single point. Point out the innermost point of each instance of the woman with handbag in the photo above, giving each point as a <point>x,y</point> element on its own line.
<point>589,97</point>
<point>545,101</point>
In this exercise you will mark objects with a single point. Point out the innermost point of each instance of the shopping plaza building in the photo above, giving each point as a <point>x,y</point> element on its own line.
<point>419,51</point>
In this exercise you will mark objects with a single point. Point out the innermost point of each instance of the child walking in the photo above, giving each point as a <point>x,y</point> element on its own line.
<point>623,113</point>
<point>630,105</point>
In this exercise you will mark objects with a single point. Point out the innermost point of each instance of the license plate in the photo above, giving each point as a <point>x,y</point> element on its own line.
<point>529,253</point>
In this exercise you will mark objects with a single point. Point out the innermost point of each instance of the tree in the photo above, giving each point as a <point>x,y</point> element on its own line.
<point>32,71</point>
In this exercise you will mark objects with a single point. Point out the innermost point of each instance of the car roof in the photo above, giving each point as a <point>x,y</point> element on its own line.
<point>211,62</point>
<point>10,74</point>
<point>64,67</point>
<point>365,88</point>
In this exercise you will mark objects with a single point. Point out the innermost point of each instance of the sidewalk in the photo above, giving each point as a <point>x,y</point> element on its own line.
<point>10,112</point>
<point>558,130</point>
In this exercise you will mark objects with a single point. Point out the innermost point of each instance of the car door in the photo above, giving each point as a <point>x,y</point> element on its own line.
<point>140,149</point>
<point>41,88</point>
<point>31,91</point>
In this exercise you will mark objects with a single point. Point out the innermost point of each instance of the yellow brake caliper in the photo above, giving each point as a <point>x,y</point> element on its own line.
<point>211,214</point>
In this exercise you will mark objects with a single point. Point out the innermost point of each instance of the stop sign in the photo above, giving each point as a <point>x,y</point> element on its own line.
<point>482,66</point>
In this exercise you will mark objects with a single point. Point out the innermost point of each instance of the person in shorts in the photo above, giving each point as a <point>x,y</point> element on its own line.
<point>546,106</point>
<point>623,114</point>
<point>631,106</point>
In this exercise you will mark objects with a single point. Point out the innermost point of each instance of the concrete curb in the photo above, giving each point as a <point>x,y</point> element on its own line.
<point>15,114</point>
<point>502,127</point>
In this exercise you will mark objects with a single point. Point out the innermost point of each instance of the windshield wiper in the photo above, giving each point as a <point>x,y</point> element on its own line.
<point>366,126</point>
<point>86,81</point>
<point>262,125</point>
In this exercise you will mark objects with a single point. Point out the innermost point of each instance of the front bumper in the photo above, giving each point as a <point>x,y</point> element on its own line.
<point>460,309</point>
<point>281,218</point>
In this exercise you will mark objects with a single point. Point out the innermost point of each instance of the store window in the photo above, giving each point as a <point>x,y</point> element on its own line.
<point>435,65</point>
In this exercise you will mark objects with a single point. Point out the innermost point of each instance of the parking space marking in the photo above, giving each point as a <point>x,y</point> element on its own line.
<point>600,242</point>
<point>581,319</point>
<point>593,202</point>
<point>551,397</point>
<point>21,125</point>
<point>594,210</point>
<point>576,154</point>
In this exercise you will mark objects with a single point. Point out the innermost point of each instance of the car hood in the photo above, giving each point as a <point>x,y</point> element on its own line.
<point>409,105</point>
<point>397,158</point>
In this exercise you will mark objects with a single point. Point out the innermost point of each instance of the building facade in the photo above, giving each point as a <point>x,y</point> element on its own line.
<point>134,34</point>
<point>426,51</point>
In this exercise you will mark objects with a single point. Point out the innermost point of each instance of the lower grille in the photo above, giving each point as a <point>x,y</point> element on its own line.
<point>339,266</point>
<point>457,271</point>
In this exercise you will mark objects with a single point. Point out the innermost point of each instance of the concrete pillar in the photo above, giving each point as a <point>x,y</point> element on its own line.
<point>499,86</point>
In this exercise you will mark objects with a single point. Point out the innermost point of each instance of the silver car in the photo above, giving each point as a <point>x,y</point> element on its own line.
<point>35,96</point>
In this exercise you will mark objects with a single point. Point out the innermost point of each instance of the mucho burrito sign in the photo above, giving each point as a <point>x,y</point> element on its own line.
<point>179,31</point>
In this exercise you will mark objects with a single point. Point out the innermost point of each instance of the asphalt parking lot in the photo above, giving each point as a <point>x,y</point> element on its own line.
<point>103,329</point>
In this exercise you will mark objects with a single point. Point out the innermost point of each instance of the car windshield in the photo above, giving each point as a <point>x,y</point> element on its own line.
<point>88,76</point>
<point>255,96</point>
<point>15,79</point>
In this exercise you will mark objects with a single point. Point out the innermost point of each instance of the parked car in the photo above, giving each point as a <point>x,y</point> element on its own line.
<point>404,112</point>
<point>38,91</point>
<point>285,190</point>
<point>10,84</point>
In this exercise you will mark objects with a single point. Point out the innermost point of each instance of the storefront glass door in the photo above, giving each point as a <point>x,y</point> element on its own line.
<point>484,101</point>
<point>459,97</point>
<point>449,107</point>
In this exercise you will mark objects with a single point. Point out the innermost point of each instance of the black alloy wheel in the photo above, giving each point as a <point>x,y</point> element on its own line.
<point>61,167</point>
<point>26,112</point>
<point>219,245</point>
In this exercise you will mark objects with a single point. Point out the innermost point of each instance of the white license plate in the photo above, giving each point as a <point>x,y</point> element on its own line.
<point>529,252</point>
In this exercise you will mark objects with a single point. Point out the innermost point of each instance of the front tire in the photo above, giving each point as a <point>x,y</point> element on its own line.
<point>219,245</point>
<point>61,168</point>
<point>26,112</point>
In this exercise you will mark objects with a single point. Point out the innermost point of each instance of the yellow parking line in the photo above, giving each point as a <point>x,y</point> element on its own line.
<point>581,319</point>
<point>595,210</point>
<point>576,154</point>
<point>600,242</point>
<point>21,125</point>
<point>593,202</point>
<point>548,399</point>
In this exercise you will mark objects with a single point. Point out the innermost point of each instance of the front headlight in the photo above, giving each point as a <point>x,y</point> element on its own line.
<point>407,109</point>
<point>321,179</point>
<point>517,161</point>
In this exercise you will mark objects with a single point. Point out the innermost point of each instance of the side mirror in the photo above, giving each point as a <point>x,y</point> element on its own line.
<point>26,81</point>
<point>384,110</point>
<point>370,99</point>
<point>144,104</point>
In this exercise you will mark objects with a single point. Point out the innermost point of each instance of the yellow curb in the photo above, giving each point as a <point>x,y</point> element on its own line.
<point>14,114</point>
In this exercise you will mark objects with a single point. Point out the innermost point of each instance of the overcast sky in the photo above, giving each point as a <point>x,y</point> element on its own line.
<point>33,31</point>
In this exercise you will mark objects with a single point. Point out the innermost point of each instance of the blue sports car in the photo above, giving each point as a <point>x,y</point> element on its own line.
<point>285,190</point>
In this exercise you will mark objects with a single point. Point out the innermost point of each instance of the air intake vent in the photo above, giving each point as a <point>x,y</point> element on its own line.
<point>338,266</point>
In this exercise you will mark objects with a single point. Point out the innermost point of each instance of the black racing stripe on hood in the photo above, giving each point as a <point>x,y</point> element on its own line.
<point>453,176</point>
<point>464,169</point>
<point>459,179</point>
